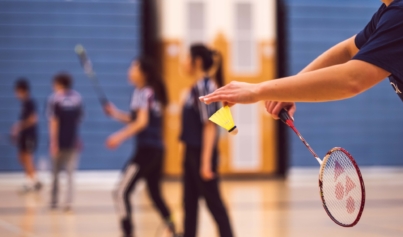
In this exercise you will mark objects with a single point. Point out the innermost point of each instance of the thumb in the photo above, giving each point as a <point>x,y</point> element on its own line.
<point>291,111</point>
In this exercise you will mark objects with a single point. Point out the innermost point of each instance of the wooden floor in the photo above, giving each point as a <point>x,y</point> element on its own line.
<point>257,208</point>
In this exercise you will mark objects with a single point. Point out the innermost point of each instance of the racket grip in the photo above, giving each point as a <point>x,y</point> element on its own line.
<point>285,117</point>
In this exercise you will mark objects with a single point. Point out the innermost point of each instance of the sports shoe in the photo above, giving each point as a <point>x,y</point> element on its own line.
<point>25,189</point>
<point>38,186</point>
<point>68,209</point>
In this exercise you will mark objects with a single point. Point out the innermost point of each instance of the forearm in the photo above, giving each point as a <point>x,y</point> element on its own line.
<point>121,116</point>
<point>327,84</point>
<point>130,130</point>
<point>29,122</point>
<point>209,136</point>
<point>53,131</point>
<point>338,54</point>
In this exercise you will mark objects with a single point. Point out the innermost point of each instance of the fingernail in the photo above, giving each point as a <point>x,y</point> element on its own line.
<point>292,118</point>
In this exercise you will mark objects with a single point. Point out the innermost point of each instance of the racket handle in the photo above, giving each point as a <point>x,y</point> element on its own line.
<point>285,117</point>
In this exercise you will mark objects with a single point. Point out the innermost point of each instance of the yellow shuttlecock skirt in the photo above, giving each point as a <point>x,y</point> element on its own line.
<point>223,118</point>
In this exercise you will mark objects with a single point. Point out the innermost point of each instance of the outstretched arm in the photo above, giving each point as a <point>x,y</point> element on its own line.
<point>129,130</point>
<point>338,54</point>
<point>332,83</point>
<point>113,112</point>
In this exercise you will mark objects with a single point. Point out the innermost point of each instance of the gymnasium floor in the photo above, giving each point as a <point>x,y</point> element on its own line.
<point>269,208</point>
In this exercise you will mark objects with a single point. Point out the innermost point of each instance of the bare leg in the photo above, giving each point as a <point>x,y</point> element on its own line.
<point>28,164</point>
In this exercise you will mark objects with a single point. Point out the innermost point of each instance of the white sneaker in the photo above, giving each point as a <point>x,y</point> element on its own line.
<point>26,189</point>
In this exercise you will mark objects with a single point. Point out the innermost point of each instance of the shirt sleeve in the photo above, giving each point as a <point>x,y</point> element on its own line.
<point>384,47</point>
<point>362,37</point>
<point>206,111</point>
<point>141,99</point>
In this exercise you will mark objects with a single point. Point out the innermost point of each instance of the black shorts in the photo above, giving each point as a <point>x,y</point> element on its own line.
<point>27,143</point>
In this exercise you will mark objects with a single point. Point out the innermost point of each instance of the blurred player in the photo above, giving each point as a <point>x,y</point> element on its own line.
<point>24,132</point>
<point>144,120</point>
<point>65,111</point>
<point>344,71</point>
<point>200,137</point>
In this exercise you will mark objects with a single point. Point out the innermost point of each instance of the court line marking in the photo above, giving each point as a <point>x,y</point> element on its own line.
<point>15,229</point>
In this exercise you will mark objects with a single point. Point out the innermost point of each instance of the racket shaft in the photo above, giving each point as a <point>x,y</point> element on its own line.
<point>286,118</point>
<point>306,144</point>
<point>99,91</point>
<point>87,66</point>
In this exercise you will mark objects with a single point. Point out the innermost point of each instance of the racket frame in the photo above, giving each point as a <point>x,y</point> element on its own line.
<point>362,186</point>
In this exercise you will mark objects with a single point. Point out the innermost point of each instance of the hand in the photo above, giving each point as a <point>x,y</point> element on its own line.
<point>109,109</point>
<point>206,173</point>
<point>113,141</point>
<point>53,150</point>
<point>274,108</point>
<point>233,93</point>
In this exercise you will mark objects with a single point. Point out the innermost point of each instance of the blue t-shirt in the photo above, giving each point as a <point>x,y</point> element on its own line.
<point>195,113</point>
<point>381,43</point>
<point>145,98</point>
<point>67,108</point>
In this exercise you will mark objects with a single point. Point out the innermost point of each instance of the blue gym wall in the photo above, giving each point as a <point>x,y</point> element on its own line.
<point>370,125</point>
<point>37,39</point>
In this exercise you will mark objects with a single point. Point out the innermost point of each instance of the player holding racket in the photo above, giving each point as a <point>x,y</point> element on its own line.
<point>345,70</point>
<point>145,120</point>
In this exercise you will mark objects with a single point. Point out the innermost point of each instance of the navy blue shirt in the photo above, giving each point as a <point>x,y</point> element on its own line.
<point>381,43</point>
<point>67,108</point>
<point>195,113</point>
<point>144,98</point>
<point>28,109</point>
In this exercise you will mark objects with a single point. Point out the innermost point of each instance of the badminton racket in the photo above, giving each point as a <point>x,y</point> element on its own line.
<point>341,185</point>
<point>87,66</point>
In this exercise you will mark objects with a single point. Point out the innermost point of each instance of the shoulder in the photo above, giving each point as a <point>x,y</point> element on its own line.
<point>396,3</point>
<point>393,12</point>
<point>204,87</point>
<point>143,93</point>
<point>147,91</point>
<point>209,85</point>
<point>391,17</point>
<point>52,98</point>
<point>75,94</point>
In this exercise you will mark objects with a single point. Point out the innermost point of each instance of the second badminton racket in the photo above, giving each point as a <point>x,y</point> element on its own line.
<point>87,66</point>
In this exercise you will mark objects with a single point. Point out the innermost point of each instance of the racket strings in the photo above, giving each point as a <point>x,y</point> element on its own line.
<point>341,187</point>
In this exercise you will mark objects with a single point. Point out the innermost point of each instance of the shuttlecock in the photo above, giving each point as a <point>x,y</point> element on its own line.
<point>223,118</point>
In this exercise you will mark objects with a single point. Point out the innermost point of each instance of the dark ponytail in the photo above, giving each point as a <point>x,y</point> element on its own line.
<point>212,62</point>
<point>153,79</point>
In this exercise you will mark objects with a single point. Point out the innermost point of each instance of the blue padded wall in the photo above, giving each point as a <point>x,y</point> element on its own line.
<point>369,125</point>
<point>37,40</point>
